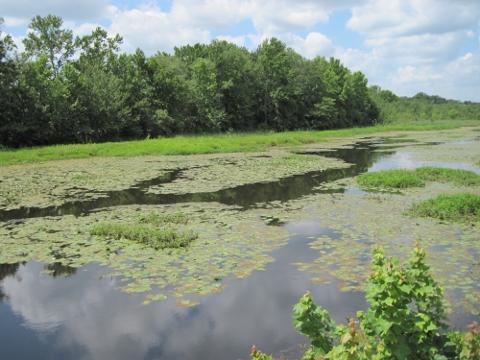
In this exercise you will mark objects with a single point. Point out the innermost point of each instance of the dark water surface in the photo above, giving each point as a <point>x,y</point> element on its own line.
<point>80,314</point>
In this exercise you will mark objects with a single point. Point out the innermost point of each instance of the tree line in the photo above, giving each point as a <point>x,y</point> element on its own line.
<point>76,89</point>
<point>421,106</point>
<point>67,89</point>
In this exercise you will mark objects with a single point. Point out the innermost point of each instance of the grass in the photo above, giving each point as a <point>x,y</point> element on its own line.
<point>205,144</point>
<point>455,176</point>
<point>157,238</point>
<point>161,219</point>
<point>402,178</point>
<point>459,207</point>
<point>390,179</point>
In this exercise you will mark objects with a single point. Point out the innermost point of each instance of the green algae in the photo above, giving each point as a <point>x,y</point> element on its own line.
<point>358,222</point>
<point>231,243</point>
<point>241,170</point>
<point>56,182</point>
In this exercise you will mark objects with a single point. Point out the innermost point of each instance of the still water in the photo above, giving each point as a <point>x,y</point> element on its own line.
<point>80,314</point>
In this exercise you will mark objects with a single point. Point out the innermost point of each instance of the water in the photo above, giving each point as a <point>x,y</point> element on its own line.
<point>80,314</point>
<point>361,156</point>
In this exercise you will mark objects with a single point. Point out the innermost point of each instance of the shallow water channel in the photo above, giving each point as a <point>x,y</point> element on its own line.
<point>70,313</point>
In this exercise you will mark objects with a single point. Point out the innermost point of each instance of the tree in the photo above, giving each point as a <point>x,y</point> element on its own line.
<point>273,69</point>
<point>63,89</point>
<point>46,37</point>
<point>10,103</point>
<point>203,84</point>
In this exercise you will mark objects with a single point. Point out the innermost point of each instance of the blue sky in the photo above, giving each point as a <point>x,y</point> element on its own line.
<point>403,45</point>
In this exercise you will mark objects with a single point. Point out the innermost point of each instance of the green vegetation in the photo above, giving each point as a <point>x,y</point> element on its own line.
<point>145,234</point>
<point>396,179</point>
<point>162,219</point>
<point>394,109</point>
<point>455,176</point>
<point>203,144</point>
<point>405,320</point>
<point>401,178</point>
<point>146,231</point>
<point>67,89</point>
<point>459,207</point>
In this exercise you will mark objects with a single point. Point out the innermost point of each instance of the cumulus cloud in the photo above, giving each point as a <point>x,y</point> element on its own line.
<point>417,45</point>
<point>314,44</point>
<point>401,18</point>
<point>405,44</point>
<point>153,30</point>
<point>189,21</point>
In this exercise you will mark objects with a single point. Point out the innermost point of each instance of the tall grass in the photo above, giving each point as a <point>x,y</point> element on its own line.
<point>458,207</point>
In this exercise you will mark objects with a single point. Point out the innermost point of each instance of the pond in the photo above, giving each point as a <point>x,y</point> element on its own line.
<point>62,310</point>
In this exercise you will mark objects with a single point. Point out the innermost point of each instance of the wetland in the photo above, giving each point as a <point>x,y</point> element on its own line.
<point>239,238</point>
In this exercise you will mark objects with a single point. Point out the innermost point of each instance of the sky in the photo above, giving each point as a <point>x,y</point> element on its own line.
<point>406,46</point>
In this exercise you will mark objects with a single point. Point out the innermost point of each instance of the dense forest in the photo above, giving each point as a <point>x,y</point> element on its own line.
<point>395,108</point>
<point>67,89</point>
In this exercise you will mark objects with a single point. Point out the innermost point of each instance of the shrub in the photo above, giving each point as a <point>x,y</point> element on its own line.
<point>405,320</point>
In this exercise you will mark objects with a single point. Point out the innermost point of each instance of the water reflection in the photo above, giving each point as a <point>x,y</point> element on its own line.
<point>361,156</point>
<point>84,317</point>
<point>406,160</point>
<point>55,312</point>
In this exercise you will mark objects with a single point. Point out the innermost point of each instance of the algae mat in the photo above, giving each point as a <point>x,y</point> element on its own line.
<point>230,243</point>
<point>233,242</point>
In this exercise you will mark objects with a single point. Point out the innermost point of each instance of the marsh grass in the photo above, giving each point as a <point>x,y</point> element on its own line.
<point>157,238</point>
<point>402,178</point>
<point>455,176</point>
<point>462,207</point>
<point>162,219</point>
<point>390,179</point>
<point>206,144</point>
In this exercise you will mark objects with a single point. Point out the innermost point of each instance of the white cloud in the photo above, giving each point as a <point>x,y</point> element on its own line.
<point>402,18</point>
<point>272,16</point>
<point>408,45</point>
<point>153,30</point>
<point>418,45</point>
<point>420,48</point>
<point>15,21</point>
<point>237,40</point>
<point>411,74</point>
<point>190,21</point>
<point>314,44</point>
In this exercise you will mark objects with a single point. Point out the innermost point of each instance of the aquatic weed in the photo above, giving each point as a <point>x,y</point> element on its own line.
<point>154,237</point>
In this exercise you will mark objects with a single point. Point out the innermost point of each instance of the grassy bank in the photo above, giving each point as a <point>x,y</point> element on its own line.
<point>205,144</point>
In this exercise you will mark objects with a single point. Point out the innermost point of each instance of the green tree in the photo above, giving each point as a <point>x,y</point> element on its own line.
<point>46,37</point>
